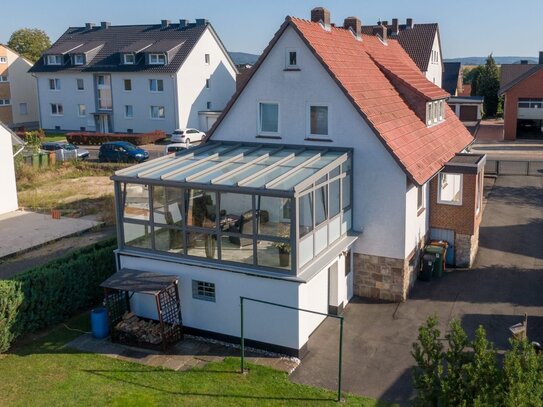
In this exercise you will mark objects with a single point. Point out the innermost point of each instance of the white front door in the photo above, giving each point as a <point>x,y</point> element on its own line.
<point>103,123</point>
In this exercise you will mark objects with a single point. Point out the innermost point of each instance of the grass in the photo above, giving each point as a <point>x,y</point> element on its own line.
<point>43,371</point>
<point>54,137</point>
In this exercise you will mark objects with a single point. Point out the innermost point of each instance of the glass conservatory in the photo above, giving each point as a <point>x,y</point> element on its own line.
<point>267,207</point>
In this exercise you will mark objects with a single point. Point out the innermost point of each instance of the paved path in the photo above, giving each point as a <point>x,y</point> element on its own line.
<point>21,231</point>
<point>507,281</point>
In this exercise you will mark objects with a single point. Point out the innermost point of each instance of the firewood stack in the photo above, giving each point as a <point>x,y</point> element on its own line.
<point>142,330</point>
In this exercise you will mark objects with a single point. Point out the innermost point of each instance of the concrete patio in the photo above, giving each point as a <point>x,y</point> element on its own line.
<point>21,231</point>
<point>189,353</point>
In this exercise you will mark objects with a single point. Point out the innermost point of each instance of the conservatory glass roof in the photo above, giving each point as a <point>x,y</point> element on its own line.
<point>264,166</point>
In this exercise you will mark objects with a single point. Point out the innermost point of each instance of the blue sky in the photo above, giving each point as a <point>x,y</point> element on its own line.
<point>468,27</point>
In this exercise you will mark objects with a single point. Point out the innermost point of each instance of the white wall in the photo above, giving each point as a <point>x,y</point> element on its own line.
<point>262,322</point>
<point>416,225</point>
<point>435,69</point>
<point>191,78</point>
<point>314,297</point>
<point>379,195</point>
<point>8,202</point>
<point>22,87</point>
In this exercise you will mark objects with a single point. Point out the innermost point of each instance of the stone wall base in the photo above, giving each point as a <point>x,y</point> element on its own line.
<point>384,278</point>
<point>465,249</point>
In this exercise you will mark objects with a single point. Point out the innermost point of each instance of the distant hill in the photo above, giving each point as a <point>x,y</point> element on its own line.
<point>243,58</point>
<point>499,60</point>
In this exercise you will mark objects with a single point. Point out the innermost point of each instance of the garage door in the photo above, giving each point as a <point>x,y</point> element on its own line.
<point>468,113</point>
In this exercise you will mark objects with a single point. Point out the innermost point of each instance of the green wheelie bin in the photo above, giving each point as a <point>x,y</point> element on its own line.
<point>440,252</point>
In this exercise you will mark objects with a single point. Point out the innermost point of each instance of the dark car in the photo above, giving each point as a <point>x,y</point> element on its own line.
<point>121,151</point>
<point>65,151</point>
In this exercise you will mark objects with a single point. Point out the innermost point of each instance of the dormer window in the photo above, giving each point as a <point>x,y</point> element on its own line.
<point>129,59</point>
<point>291,58</point>
<point>79,59</point>
<point>54,59</point>
<point>435,112</point>
<point>157,59</point>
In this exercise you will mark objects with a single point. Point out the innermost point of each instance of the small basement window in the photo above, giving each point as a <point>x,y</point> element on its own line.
<point>450,189</point>
<point>202,290</point>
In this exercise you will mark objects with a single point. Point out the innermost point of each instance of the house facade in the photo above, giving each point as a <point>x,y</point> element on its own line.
<point>421,42</point>
<point>18,94</point>
<point>136,78</point>
<point>522,89</point>
<point>313,186</point>
<point>10,145</point>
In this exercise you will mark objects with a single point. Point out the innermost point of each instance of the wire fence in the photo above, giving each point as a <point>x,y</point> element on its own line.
<point>514,167</point>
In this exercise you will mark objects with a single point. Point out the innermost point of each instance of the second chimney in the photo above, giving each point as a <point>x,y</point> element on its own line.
<point>89,26</point>
<point>381,31</point>
<point>409,23</point>
<point>394,27</point>
<point>320,14</point>
<point>164,23</point>
<point>183,23</point>
<point>540,57</point>
<point>354,24</point>
<point>105,24</point>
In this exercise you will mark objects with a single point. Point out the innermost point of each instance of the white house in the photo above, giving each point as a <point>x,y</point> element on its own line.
<point>10,145</point>
<point>312,187</point>
<point>134,78</point>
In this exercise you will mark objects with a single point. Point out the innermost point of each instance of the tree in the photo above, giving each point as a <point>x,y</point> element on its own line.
<point>488,85</point>
<point>29,42</point>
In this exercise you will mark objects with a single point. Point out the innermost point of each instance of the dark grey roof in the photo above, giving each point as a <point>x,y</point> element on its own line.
<point>511,74</point>
<point>117,39</point>
<point>164,45</point>
<point>88,46</point>
<point>143,282</point>
<point>449,82</point>
<point>137,46</point>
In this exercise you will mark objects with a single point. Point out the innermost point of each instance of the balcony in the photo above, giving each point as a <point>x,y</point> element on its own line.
<point>259,207</point>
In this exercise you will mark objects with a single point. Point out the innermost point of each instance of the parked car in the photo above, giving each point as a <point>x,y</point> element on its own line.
<point>65,151</point>
<point>121,151</point>
<point>175,147</point>
<point>187,136</point>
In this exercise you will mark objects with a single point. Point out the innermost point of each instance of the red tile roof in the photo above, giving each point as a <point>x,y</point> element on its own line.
<point>389,90</point>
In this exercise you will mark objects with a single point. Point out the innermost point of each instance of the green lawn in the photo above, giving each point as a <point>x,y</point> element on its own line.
<point>45,372</point>
<point>54,137</point>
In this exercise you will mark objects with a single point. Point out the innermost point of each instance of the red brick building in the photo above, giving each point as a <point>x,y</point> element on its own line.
<point>522,88</point>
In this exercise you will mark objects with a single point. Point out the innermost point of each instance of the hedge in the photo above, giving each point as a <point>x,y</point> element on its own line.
<point>88,138</point>
<point>49,294</point>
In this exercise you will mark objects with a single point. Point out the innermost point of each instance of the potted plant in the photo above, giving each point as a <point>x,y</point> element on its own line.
<point>284,248</point>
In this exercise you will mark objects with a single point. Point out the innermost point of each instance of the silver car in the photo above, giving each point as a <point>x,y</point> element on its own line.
<point>65,151</point>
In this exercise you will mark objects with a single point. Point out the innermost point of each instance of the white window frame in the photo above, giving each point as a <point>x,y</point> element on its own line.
<point>54,59</point>
<point>75,59</point>
<point>126,61</point>
<point>77,84</point>
<point>156,81</point>
<point>124,85</point>
<point>56,82</point>
<point>207,59</point>
<point>5,102</point>
<point>3,60</point>
<point>440,187</point>
<point>157,118</point>
<point>4,79</point>
<point>260,132</point>
<point>308,120</point>
<point>422,206</point>
<point>155,59</point>
<point>287,58</point>
<point>79,110</point>
<point>23,112</point>
<point>126,110</point>
<point>435,112</point>
<point>57,105</point>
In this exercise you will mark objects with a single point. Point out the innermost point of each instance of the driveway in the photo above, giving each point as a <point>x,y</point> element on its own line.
<point>506,281</point>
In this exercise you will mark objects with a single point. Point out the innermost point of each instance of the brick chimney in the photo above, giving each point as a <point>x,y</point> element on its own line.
<point>540,57</point>
<point>164,23</point>
<point>89,26</point>
<point>381,31</point>
<point>320,14</point>
<point>409,23</point>
<point>394,27</point>
<point>105,25</point>
<point>354,24</point>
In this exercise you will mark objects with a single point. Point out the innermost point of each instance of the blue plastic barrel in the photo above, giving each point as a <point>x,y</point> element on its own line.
<point>99,323</point>
<point>449,259</point>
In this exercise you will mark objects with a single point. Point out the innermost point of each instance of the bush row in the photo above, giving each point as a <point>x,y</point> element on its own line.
<point>49,294</point>
<point>31,135</point>
<point>88,138</point>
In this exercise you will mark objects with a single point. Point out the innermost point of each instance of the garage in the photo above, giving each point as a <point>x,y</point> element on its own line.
<point>530,118</point>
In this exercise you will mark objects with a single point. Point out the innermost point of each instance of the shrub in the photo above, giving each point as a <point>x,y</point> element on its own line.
<point>88,138</point>
<point>49,294</point>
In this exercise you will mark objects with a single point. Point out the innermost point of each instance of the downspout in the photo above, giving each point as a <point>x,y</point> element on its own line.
<point>39,102</point>
<point>176,101</point>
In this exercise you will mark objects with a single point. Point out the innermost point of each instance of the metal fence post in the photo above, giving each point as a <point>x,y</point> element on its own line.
<point>242,338</point>
<point>340,358</point>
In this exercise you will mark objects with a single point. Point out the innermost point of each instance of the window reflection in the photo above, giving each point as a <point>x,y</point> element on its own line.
<point>201,208</point>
